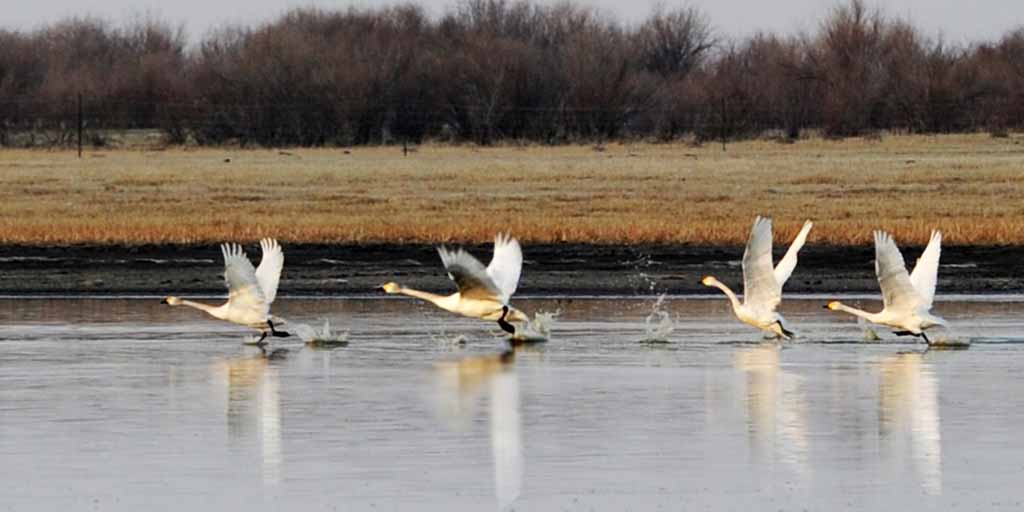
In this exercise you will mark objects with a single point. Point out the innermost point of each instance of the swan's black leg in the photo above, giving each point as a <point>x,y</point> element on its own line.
<point>505,326</point>
<point>786,332</point>
<point>275,332</point>
<point>263,336</point>
<point>925,336</point>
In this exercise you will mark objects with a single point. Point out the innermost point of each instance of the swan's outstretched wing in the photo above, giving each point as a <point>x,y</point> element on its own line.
<point>898,293</point>
<point>759,286</point>
<point>268,274</point>
<point>506,265</point>
<point>926,272</point>
<point>469,275</point>
<point>788,262</point>
<point>243,288</point>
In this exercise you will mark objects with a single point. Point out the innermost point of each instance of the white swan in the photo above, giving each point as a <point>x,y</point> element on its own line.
<point>762,284</point>
<point>483,292</point>
<point>907,298</point>
<point>250,290</point>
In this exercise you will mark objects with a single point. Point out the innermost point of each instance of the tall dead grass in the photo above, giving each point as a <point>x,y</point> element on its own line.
<point>968,186</point>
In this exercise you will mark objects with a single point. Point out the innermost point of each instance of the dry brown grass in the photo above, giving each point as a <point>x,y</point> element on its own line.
<point>971,187</point>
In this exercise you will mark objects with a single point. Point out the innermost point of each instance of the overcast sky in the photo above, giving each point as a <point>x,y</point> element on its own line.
<point>956,20</point>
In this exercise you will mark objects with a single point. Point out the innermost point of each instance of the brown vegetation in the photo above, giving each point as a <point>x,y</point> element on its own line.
<point>968,186</point>
<point>494,70</point>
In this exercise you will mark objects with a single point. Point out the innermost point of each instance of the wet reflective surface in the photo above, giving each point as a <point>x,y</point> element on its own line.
<point>123,404</point>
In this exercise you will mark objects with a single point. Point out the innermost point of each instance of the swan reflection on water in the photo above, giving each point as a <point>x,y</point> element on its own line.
<point>908,414</point>
<point>776,408</point>
<point>460,385</point>
<point>254,407</point>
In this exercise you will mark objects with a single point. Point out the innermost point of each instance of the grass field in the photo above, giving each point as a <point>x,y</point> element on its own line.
<point>970,186</point>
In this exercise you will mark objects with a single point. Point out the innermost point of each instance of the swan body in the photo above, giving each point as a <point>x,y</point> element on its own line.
<point>251,290</point>
<point>483,292</point>
<point>763,282</point>
<point>907,297</point>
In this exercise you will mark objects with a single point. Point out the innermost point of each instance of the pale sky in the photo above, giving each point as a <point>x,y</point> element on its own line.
<point>956,20</point>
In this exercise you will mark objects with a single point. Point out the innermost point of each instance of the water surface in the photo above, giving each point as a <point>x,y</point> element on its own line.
<point>126,404</point>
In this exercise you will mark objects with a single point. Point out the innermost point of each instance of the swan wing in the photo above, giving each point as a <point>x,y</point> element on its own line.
<point>788,262</point>
<point>469,275</point>
<point>243,287</point>
<point>760,289</point>
<point>898,293</point>
<point>926,271</point>
<point>506,265</point>
<point>268,274</point>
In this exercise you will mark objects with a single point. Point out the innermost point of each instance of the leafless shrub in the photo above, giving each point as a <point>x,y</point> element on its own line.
<point>674,43</point>
<point>492,70</point>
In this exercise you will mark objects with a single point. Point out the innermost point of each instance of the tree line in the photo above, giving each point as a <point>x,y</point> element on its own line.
<point>502,70</point>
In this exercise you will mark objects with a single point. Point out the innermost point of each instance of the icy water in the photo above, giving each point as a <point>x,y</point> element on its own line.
<point>126,404</point>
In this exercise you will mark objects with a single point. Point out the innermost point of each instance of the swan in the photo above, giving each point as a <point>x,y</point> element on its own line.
<point>762,284</point>
<point>250,290</point>
<point>907,298</point>
<point>483,292</point>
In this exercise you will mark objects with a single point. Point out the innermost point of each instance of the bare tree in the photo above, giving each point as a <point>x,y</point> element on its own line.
<point>490,70</point>
<point>674,43</point>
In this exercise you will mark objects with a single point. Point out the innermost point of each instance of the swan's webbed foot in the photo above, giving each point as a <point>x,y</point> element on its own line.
<point>275,332</point>
<point>786,333</point>
<point>505,326</point>
<point>904,333</point>
<point>259,342</point>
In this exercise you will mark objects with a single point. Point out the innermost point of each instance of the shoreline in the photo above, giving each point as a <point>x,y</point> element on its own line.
<point>548,270</point>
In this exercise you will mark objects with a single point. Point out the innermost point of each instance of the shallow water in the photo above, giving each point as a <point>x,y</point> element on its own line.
<point>126,404</point>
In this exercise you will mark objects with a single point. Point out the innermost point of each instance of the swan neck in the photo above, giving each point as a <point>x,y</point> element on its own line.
<point>871,317</point>
<point>728,293</point>
<point>438,300</point>
<point>212,310</point>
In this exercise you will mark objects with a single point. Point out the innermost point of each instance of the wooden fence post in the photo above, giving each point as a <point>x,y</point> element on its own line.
<point>79,125</point>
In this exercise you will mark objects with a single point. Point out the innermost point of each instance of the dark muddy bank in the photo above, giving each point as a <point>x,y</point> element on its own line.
<point>562,269</point>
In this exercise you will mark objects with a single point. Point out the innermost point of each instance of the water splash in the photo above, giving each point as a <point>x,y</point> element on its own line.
<point>647,282</point>
<point>641,281</point>
<point>538,329</point>
<point>869,332</point>
<point>253,340</point>
<point>324,336</point>
<point>449,341</point>
<point>943,337</point>
<point>658,325</point>
<point>308,334</point>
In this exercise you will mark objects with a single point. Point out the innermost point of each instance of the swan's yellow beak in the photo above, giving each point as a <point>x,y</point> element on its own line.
<point>707,281</point>
<point>173,301</point>
<point>832,306</point>
<point>390,287</point>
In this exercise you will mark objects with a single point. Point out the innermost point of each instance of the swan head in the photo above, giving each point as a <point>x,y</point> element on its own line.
<point>834,305</point>
<point>390,287</point>
<point>708,281</point>
<point>173,301</point>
